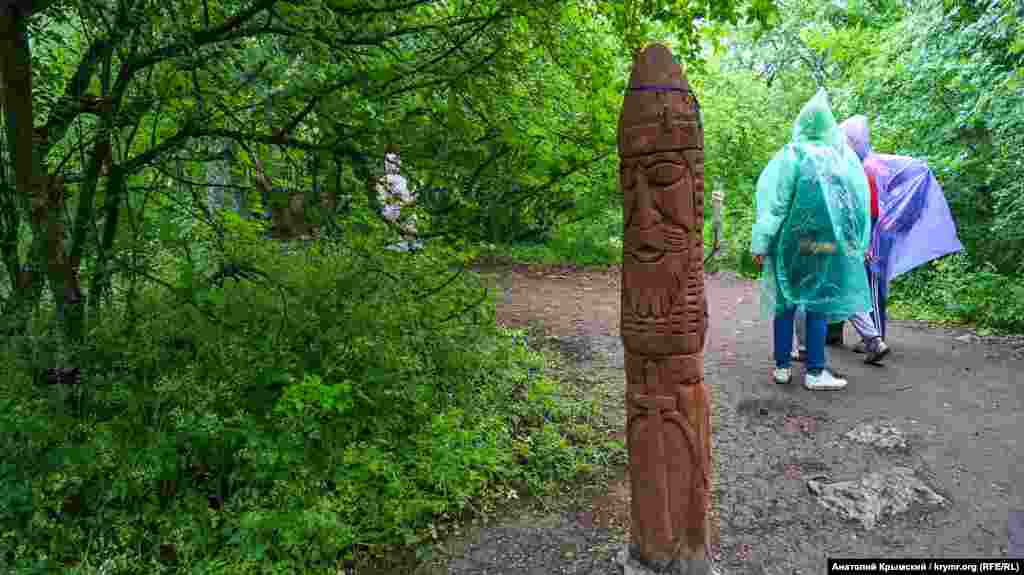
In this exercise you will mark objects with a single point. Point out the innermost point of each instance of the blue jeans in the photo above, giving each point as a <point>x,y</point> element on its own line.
<point>817,329</point>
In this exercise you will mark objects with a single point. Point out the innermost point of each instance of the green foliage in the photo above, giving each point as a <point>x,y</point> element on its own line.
<point>939,81</point>
<point>942,84</point>
<point>530,142</point>
<point>951,290</point>
<point>739,140</point>
<point>352,405</point>
<point>639,21</point>
<point>594,241</point>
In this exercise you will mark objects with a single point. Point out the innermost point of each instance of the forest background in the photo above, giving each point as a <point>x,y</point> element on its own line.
<point>210,363</point>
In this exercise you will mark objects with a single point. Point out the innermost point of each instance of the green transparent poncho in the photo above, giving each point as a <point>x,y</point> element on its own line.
<point>813,221</point>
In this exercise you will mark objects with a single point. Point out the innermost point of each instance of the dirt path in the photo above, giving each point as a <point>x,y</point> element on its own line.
<point>955,400</point>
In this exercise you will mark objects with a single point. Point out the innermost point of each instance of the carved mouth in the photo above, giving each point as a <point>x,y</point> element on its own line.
<point>647,253</point>
<point>651,306</point>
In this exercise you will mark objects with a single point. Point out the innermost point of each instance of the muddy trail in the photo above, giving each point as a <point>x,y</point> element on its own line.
<point>918,457</point>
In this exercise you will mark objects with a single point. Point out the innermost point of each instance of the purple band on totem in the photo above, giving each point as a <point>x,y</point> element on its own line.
<point>657,88</point>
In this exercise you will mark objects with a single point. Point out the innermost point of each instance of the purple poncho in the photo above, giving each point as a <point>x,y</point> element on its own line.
<point>915,225</point>
<point>914,222</point>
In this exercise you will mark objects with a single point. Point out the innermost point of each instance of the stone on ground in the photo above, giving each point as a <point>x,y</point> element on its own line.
<point>876,496</point>
<point>884,436</point>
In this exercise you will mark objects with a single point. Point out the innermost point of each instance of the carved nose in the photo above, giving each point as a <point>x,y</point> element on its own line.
<point>644,213</point>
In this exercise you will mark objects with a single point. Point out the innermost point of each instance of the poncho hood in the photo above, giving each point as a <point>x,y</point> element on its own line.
<point>858,135</point>
<point>817,124</point>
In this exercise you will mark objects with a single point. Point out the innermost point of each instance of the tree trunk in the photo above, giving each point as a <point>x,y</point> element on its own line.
<point>40,196</point>
<point>716,224</point>
<point>215,179</point>
<point>281,223</point>
<point>313,202</point>
<point>101,278</point>
<point>374,174</point>
<point>276,208</point>
<point>296,215</point>
<point>24,291</point>
<point>334,194</point>
<point>219,178</point>
<point>240,195</point>
<point>9,215</point>
<point>84,221</point>
<point>181,187</point>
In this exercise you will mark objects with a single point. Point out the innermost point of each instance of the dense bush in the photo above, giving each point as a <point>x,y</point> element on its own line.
<point>950,290</point>
<point>348,406</point>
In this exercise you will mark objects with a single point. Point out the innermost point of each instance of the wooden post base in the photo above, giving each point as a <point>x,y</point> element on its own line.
<point>631,566</point>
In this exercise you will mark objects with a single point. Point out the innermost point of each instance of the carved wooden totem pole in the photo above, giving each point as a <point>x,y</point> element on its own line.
<point>664,318</point>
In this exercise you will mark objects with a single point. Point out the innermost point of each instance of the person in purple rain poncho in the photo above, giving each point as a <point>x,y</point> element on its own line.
<point>912,226</point>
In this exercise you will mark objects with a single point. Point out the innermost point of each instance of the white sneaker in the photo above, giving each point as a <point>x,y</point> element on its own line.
<point>824,381</point>
<point>782,375</point>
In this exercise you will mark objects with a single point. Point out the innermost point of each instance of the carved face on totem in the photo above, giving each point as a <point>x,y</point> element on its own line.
<point>662,178</point>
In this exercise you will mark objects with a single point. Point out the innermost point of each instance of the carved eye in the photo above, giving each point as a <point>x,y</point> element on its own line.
<point>665,173</point>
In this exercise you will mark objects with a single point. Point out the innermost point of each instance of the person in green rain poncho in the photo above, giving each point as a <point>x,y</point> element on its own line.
<point>812,232</point>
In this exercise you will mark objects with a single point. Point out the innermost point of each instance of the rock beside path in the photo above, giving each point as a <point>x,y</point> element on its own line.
<point>876,496</point>
<point>883,436</point>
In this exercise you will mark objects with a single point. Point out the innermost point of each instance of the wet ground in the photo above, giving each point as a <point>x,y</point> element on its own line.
<point>952,399</point>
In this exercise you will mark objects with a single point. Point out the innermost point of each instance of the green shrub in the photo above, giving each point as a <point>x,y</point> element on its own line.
<point>276,425</point>
<point>953,289</point>
<point>593,241</point>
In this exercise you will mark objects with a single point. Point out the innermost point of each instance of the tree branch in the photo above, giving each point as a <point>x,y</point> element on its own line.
<point>74,100</point>
<point>393,8</point>
<point>194,183</point>
<point>229,30</point>
<point>171,143</point>
<point>294,122</point>
<point>522,195</point>
<point>26,8</point>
